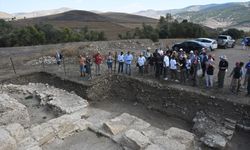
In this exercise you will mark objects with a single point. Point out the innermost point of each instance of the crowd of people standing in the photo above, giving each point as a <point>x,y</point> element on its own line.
<point>177,66</point>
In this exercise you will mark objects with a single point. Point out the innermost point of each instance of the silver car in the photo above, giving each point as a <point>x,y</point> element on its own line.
<point>225,41</point>
<point>210,43</point>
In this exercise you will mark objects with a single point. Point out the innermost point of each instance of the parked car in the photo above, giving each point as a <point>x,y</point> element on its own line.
<point>225,41</point>
<point>248,41</point>
<point>187,46</point>
<point>210,43</point>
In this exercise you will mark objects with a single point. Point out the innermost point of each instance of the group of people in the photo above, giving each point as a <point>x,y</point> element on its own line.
<point>178,66</point>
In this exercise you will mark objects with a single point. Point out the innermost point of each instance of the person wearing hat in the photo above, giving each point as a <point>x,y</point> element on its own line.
<point>223,66</point>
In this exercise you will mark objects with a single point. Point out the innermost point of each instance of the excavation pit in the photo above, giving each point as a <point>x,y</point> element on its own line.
<point>37,112</point>
<point>158,104</point>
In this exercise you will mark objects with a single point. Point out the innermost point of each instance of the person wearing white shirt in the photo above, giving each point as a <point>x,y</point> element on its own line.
<point>173,68</point>
<point>128,61</point>
<point>188,66</point>
<point>120,59</point>
<point>165,65</point>
<point>141,62</point>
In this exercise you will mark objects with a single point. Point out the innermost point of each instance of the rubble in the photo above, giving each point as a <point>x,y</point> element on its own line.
<point>64,101</point>
<point>214,131</point>
<point>12,111</point>
<point>214,140</point>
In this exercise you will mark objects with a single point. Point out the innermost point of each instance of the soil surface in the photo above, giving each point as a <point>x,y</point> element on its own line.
<point>113,104</point>
<point>156,119</point>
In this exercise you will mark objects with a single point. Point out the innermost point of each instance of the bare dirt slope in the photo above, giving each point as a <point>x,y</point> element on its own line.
<point>111,23</point>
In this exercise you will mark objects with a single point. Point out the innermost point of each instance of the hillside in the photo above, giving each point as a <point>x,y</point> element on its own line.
<point>4,15</point>
<point>129,20</point>
<point>213,15</point>
<point>76,19</point>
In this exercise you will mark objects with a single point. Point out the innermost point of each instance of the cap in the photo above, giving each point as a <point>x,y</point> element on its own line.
<point>191,52</point>
<point>181,49</point>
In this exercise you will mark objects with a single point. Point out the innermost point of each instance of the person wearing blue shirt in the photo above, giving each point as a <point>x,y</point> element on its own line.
<point>128,61</point>
<point>247,77</point>
<point>244,43</point>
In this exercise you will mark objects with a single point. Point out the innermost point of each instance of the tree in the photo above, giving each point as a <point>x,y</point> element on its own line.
<point>234,33</point>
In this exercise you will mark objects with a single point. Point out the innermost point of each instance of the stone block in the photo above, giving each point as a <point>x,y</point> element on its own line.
<point>123,123</point>
<point>43,133</point>
<point>17,131</point>
<point>27,143</point>
<point>135,140</point>
<point>169,144</point>
<point>154,147</point>
<point>214,140</point>
<point>6,141</point>
<point>180,135</point>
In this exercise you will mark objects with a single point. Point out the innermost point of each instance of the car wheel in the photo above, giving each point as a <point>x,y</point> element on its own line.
<point>226,46</point>
<point>233,45</point>
<point>211,49</point>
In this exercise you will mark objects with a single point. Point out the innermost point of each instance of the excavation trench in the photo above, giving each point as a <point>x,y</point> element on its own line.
<point>160,105</point>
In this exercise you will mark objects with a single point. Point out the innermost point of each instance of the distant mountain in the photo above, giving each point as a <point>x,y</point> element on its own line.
<point>4,15</point>
<point>111,23</point>
<point>41,13</point>
<point>213,15</point>
<point>157,13</point>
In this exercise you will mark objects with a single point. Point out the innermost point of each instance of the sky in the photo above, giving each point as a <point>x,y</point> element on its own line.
<point>129,6</point>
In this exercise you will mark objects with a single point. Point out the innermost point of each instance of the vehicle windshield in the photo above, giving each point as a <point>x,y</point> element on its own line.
<point>222,37</point>
<point>203,40</point>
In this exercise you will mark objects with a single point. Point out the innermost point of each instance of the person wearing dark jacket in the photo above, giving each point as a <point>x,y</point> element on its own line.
<point>236,75</point>
<point>223,66</point>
